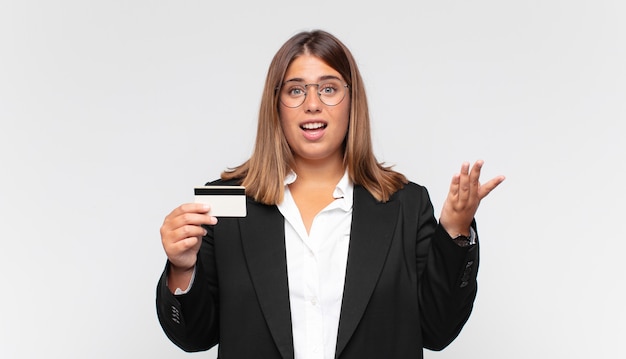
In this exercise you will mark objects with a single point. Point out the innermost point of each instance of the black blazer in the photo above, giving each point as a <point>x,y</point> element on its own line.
<point>408,286</point>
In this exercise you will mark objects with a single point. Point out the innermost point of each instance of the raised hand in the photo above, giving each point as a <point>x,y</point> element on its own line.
<point>463,199</point>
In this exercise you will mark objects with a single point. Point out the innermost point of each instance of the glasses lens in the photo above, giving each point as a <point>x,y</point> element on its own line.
<point>331,92</point>
<point>292,93</point>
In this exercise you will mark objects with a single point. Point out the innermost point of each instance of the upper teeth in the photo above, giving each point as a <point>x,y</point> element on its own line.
<point>312,125</point>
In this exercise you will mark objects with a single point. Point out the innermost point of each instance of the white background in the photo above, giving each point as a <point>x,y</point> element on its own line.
<point>111,111</point>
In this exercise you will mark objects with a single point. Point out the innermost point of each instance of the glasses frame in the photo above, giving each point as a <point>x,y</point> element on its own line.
<point>306,92</point>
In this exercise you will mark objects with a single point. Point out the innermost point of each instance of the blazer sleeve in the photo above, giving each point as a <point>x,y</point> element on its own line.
<point>191,320</point>
<point>447,283</point>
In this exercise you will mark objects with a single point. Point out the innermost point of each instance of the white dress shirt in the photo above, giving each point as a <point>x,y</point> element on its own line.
<point>316,268</point>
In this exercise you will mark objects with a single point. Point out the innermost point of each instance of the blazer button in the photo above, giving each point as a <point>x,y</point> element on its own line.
<point>466,274</point>
<point>175,315</point>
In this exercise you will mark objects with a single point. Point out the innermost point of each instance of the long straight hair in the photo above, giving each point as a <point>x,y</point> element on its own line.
<point>263,174</point>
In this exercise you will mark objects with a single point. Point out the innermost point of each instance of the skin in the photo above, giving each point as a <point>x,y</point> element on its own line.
<point>463,198</point>
<point>318,154</point>
<point>319,165</point>
<point>181,236</point>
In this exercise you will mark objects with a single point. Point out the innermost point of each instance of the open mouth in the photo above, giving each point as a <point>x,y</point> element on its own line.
<point>311,126</point>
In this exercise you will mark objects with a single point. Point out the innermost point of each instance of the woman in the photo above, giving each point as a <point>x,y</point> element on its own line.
<point>338,256</point>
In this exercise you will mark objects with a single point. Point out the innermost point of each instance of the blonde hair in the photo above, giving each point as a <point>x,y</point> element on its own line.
<point>264,172</point>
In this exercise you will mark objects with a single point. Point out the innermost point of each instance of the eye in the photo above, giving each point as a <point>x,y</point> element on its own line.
<point>329,88</point>
<point>295,90</point>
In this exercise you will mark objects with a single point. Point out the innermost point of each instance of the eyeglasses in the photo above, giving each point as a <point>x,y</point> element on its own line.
<point>331,92</point>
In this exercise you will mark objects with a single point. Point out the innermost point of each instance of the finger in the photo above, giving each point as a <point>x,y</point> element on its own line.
<point>190,208</point>
<point>475,175</point>
<point>184,210</point>
<point>184,245</point>
<point>464,182</point>
<point>486,188</point>
<point>181,216</point>
<point>193,218</point>
<point>454,185</point>
<point>188,231</point>
<point>185,225</point>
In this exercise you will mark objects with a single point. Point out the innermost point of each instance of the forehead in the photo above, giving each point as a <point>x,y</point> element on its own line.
<point>309,68</point>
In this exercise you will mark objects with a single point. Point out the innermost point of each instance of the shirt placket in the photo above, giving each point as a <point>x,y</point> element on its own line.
<point>314,321</point>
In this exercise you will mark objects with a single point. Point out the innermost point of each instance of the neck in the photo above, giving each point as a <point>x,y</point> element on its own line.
<point>319,171</point>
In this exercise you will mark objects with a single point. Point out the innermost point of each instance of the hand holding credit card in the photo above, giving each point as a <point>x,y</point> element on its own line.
<point>225,201</point>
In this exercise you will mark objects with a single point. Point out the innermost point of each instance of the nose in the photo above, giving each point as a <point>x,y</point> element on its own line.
<point>312,101</point>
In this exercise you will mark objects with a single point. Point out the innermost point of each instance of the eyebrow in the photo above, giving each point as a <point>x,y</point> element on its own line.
<point>322,78</point>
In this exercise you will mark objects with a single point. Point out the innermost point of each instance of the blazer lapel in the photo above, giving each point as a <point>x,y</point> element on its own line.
<point>373,226</point>
<point>263,238</point>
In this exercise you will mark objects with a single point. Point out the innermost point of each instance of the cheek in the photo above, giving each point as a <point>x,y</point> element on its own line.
<point>288,131</point>
<point>285,116</point>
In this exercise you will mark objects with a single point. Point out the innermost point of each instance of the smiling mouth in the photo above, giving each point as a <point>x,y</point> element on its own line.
<point>313,126</point>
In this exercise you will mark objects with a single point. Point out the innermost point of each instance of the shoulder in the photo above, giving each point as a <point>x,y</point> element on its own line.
<point>410,194</point>
<point>221,182</point>
<point>410,191</point>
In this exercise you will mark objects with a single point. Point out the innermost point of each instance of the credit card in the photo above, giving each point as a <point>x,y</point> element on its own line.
<point>225,201</point>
